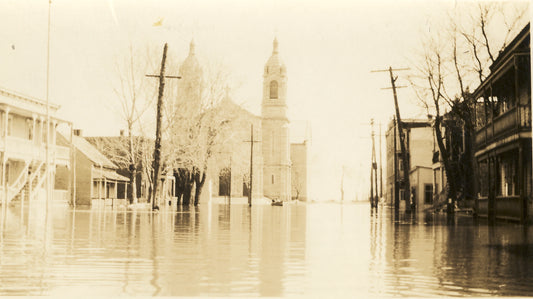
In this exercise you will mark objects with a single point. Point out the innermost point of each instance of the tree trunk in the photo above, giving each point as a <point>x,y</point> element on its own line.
<point>199,179</point>
<point>133,166</point>
<point>184,184</point>
<point>187,193</point>
<point>450,177</point>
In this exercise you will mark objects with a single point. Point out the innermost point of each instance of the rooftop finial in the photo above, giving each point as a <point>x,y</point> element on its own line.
<point>275,50</point>
<point>191,48</point>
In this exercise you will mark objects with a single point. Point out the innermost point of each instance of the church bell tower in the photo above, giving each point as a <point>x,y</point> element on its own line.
<point>275,130</point>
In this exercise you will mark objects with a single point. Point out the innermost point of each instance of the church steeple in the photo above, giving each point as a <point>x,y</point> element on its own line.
<point>190,86</point>
<point>275,47</point>
<point>274,84</point>
<point>275,129</point>
<point>192,48</point>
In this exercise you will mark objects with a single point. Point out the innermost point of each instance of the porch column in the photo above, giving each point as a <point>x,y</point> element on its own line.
<point>41,138</point>
<point>73,166</point>
<point>492,188</point>
<point>516,97</point>
<point>101,182</point>
<point>521,183</point>
<point>126,191</point>
<point>54,130</point>
<point>6,121</point>
<point>4,170</point>
<point>99,186</point>
<point>34,119</point>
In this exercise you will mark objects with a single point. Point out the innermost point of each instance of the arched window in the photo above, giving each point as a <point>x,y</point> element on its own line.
<point>273,89</point>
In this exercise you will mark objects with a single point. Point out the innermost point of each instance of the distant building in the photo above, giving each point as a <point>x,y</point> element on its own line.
<point>503,135</point>
<point>96,177</point>
<point>115,148</point>
<point>23,135</point>
<point>419,145</point>
<point>299,171</point>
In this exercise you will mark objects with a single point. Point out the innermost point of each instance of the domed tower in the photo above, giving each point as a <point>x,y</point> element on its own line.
<point>191,83</point>
<point>275,130</point>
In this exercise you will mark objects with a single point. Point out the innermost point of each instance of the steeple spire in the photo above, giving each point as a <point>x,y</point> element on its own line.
<point>192,48</point>
<point>275,50</point>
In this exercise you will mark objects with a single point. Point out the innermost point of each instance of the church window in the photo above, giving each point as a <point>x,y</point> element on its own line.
<point>272,179</point>
<point>273,89</point>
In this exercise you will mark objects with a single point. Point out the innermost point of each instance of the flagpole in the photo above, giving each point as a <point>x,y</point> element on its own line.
<point>47,159</point>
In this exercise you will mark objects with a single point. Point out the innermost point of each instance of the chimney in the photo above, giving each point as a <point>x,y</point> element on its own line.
<point>121,133</point>
<point>77,132</point>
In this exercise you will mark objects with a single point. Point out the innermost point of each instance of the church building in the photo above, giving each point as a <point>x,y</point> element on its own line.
<point>279,168</point>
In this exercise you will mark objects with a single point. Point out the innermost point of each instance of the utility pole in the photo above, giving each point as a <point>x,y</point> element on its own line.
<point>47,159</point>
<point>342,184</point>
<point>405,155</point>
<point>157,149</point>
<point>396,188</point>
<point>373,172</point>
<point>252,141</point>
<point>229,194</point>
<point>380,166</point>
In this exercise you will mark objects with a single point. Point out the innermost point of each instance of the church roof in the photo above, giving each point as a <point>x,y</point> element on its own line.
<point>275,60</point>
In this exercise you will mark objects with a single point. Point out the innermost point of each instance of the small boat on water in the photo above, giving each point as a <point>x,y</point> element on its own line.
<point>277,202</point>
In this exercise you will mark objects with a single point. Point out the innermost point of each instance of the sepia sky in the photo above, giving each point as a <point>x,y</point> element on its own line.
<point>329,48</point>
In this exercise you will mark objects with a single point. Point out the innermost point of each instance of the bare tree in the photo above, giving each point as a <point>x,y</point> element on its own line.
<point>455,59</point>
<point>199,125</point>
<point>131,94</point>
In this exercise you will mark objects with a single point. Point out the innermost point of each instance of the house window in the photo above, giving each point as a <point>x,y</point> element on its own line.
<point>273,89</point>
<point>507,176</point>
<point>428,194</point>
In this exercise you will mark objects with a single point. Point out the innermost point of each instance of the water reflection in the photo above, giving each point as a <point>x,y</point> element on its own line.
<point>452,257</point>
<point>321,249</point>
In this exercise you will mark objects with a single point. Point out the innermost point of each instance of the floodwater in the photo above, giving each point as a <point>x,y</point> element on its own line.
<point>314,249</point>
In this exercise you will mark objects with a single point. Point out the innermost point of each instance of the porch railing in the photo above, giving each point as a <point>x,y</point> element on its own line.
<point>25,149</point>
<point>512,121</point>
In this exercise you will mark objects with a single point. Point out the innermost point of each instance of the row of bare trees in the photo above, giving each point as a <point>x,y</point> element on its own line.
<point>455,58</point>
<point>195,124</point>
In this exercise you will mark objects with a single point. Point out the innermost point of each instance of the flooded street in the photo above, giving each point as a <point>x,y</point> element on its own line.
<point>315,249</point>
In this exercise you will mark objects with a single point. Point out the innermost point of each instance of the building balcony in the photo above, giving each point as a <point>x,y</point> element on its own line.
<point>27,150</point>
<point>513,121</point>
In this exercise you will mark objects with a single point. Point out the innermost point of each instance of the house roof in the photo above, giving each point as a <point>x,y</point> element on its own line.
<point>100,174</point>
<point>513,45</point>
<point>503,62</point>
<point>92,153</point>
<point>32,100</point>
